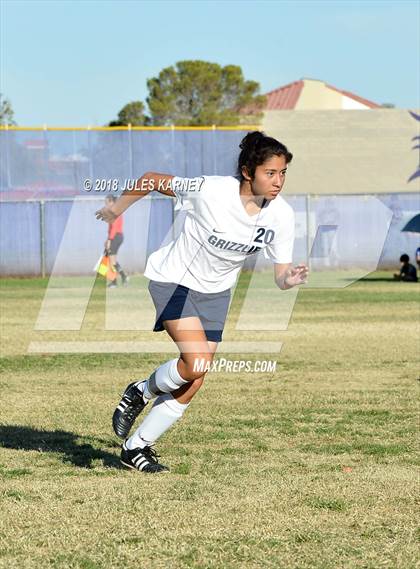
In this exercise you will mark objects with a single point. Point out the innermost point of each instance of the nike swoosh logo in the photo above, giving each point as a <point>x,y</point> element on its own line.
<point>215,231</point>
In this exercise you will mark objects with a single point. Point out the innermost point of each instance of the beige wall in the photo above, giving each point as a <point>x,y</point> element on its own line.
<point>315,95</point>
<point>347,151</point>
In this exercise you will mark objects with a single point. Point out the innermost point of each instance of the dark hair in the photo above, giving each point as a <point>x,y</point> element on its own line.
<point>404,258</point>
<point>256,147</point>
<point>111,197</point>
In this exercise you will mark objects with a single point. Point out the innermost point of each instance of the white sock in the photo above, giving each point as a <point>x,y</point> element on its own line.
<point>164,413</point>
<point>164,379</point>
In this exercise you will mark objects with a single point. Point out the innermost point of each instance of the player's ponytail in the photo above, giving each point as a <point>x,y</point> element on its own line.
<point>251,139</point>
<point>256,148</point>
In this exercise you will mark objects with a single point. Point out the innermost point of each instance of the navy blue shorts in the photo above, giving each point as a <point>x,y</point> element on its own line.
<point>173,301</point>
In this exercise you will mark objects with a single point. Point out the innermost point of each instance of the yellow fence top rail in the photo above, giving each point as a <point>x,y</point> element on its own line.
<point>113,128</point>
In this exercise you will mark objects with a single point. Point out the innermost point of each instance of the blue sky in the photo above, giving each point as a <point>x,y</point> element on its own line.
<point>77,63</point>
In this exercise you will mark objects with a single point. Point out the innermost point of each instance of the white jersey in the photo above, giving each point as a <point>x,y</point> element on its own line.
<point>218,235</point>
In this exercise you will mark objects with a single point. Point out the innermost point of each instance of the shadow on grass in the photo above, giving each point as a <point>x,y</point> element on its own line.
<point>373,280</point>
<point>378,280</point>
<point>63,442</point>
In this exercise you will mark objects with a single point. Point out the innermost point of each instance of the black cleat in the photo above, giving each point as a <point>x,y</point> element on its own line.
<point>142,459</point>
<point>131,404</point>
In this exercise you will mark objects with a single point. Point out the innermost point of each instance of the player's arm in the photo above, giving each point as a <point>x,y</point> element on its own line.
<point>149,182</point>
<point>286,276</point>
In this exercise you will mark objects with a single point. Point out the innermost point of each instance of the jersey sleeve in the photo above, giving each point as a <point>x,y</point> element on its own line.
<point>281,249</point>
<point>187,191</point>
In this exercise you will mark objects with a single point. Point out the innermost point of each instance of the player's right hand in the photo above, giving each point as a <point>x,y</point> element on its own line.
<point>106,214</point>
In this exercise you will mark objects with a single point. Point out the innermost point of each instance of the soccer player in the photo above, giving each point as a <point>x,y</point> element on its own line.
<point>114,241</point>
<point>227,220</point>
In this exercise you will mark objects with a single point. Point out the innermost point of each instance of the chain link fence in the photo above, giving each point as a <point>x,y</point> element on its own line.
<point>47,211</point>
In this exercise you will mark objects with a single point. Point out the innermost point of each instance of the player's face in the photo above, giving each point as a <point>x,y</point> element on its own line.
<point>269,177</point>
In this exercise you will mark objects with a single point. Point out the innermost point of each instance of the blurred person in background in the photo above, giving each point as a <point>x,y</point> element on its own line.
<point>113,243</point>
<point>408,272</point>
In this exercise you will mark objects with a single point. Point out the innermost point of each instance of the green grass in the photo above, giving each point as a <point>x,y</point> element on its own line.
<point>314,466</point>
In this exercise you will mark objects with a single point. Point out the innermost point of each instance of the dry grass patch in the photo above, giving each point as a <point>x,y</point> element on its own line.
<point>313,467</point>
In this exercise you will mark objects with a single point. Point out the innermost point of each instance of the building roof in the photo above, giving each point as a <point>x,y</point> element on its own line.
<point>284,97</point>
<point>311,94</point>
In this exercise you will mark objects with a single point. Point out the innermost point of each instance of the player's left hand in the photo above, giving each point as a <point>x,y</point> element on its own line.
<point>297,275</point>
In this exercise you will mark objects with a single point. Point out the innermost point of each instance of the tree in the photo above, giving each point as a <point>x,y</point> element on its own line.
<point>132,113</point>
<point>199,93</point>
<point>6,112</point>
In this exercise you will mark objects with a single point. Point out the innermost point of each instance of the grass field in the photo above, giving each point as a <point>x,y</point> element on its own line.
<point>314,466</point>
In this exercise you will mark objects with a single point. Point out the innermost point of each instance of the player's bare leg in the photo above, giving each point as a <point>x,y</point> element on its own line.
<point>194,347</point>
<point>170,404</point>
